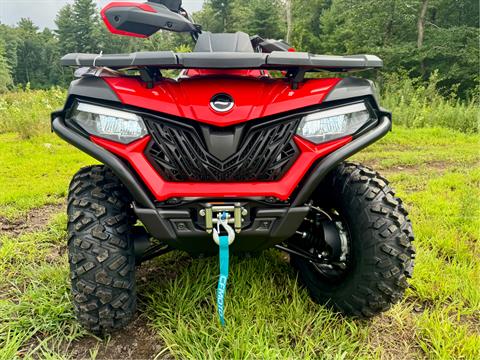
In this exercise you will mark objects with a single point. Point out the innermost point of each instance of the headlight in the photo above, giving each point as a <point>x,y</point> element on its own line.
<point>116,125</point>
<point>334,123</point>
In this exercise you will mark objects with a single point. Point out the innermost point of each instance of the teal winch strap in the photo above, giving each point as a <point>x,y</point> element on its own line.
<point>222,281</point>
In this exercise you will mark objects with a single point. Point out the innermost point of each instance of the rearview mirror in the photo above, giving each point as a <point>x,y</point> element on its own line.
<point>143,19</point>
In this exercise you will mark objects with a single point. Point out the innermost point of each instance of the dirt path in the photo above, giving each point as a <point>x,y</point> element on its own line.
<point>137,341</point>
<point>36,220</point>
<point>397,339</point>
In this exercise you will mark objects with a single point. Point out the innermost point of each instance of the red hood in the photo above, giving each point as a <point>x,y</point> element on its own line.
<point>190,97</point>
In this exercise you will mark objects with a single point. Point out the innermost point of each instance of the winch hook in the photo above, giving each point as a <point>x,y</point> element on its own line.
<point>223,221</point>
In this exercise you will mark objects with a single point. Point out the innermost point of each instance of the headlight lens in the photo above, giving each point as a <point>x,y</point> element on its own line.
<point>116,125</point>
<point>334,123</point>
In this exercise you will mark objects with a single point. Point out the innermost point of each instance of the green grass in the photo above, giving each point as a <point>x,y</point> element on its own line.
<point>35,172</point>
<point>426,148</point>
<point>268,314</point>
<point>35,302</point>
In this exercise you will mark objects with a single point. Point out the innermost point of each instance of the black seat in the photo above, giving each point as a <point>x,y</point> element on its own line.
<point>224,42</point>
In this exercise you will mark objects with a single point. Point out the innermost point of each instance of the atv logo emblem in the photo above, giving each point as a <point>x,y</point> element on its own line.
<point>221,102</point>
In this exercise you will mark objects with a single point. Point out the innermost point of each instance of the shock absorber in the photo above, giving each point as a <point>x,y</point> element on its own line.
<point>313,234</point>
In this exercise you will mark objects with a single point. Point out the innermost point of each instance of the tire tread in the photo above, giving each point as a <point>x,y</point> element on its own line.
<point>382,281</point>
<point>101,257</point>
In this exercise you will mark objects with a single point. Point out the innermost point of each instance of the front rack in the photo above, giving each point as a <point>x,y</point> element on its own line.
<point>276,60</point>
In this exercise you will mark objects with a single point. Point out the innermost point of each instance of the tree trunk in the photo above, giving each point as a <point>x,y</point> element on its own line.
<point>421,32</point>
<point>289,20</point>
<point>421,23</point>
<point>288,15</point>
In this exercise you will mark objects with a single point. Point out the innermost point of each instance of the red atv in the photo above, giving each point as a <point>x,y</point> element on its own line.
<point>224,159</point>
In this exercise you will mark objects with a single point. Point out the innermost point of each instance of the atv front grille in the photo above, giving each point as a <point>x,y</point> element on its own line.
<point>259,152</point>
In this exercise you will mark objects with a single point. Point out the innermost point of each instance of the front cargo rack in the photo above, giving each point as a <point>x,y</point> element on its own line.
<point>276,60</point>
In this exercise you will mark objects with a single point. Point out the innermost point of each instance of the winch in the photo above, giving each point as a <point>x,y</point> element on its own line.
<point>223,234</point>
<point>235,214</point>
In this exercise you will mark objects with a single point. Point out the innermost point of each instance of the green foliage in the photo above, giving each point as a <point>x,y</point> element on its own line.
<point>5,77</point>
<point>9,39</point>
<point>307,32</point>
<point>31,55</point>
<point>27,112</point>
<point>33,45</point>
<point>264,19</point>
<point>27,51</point>
<point>85,24</point>
<point>261,17</point>
<point>222,10</point>
<point>388,28</point>
<point>418,104</point>
<point>454,53</point>
<point>65,34</point>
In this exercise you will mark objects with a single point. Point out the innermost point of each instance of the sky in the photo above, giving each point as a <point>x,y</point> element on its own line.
<point>43,12</point>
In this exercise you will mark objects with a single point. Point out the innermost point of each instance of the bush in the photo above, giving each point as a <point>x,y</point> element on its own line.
<point>415,104</point>
<point>27,112</point>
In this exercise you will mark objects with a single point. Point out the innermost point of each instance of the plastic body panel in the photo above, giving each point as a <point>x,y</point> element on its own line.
<point>93,87</point>
<point>163,190</point>
<point>236,42</point>
<point>190,98</point>
<point>142,20</point>
<point>261,150</point>
<point>352,87</point>
<point>125,5</point>
<point>256,98</point>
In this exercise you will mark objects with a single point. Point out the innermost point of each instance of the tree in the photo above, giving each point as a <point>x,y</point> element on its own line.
<point>288,18</point>
<point>65,30</point>
<point>5,77</point>
<point>51,70</point>
<point>31,55</point>
<point>421,31</point>
<point>28,52</point>
<point>85,25</point>
<point>419,36</point>
<point>450,44</point>
<point>421,23</point>
<point>215,15</point>
<point>9,37</point>
<point>223,10</point>
<point>307,32</point>
<point>265,19</point>
<point>78,27</point>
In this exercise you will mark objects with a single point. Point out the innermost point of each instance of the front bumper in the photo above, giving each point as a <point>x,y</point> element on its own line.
<point>178,229</point>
